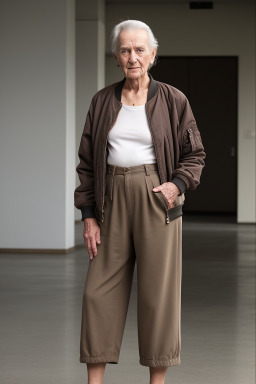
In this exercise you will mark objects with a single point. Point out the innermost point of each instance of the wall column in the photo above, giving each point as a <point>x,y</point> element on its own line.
<point>90,61</point>
<point>37,146</point>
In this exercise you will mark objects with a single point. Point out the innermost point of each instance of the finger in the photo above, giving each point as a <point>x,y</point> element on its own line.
<point>159,187</point>
<point>86,242</point>
<point>89,249</point>
<point>98,240</point>
<point>93,247</point>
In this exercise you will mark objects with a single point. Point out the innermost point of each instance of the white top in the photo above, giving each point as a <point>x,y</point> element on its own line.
<point>129,140</point>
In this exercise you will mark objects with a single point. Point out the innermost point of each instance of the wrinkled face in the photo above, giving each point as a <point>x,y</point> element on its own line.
<point>134,53</point>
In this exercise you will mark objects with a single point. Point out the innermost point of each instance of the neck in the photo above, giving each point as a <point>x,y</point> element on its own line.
<point>137,85</point>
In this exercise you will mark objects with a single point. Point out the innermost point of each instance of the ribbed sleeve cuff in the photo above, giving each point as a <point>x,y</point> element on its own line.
<point>88,211</point>
<point>180,184</point>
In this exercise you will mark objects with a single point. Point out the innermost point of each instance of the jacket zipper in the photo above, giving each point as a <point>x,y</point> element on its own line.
<point>104,165</point>
<point>167,219</point>
<point>191,138</point>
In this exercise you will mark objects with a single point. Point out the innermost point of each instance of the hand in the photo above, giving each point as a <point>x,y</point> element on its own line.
<point>170,192</point>
<point>91,235</point>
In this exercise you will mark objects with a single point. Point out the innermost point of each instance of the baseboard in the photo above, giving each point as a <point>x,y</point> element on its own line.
<point>36,250</point>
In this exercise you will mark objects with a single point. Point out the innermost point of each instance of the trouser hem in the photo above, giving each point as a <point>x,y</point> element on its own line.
<point>160,363</point>
<point>100,359</point>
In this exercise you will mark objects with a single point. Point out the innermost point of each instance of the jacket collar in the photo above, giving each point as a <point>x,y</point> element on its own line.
<point>153,86</point>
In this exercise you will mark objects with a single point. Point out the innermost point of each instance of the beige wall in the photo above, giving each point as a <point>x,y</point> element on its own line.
<point>228,29</point>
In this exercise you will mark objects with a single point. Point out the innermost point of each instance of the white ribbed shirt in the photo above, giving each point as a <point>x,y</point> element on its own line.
<point>129,140</point>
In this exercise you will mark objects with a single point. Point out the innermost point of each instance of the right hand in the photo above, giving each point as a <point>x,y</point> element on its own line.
<point>91,235</point>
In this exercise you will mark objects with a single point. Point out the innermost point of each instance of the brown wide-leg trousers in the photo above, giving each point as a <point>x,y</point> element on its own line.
<point>134,230</point>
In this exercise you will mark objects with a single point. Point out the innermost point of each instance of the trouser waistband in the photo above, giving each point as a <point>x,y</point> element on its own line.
<point>146,168</point>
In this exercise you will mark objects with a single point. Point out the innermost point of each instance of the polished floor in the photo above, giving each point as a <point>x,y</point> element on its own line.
<point>41,297</point>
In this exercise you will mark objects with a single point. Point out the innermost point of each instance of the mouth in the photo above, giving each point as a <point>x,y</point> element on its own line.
<point>134,68</point>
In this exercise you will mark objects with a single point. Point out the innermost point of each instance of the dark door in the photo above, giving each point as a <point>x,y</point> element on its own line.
<point>210,84</point>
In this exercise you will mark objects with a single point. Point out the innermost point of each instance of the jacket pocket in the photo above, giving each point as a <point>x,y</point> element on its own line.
<point>179,200</point>
<point>172,213</point>
<point>176,211</point>
<point>194,138</point>
<point>156,182</point>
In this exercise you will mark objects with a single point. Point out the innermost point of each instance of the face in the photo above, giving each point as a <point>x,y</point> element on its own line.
<point>134,53</point>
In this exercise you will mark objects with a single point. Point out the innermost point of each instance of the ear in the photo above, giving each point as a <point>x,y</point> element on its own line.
<point>153,55</point>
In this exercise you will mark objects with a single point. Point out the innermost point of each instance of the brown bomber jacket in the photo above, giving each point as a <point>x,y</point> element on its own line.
<point>177,142</point>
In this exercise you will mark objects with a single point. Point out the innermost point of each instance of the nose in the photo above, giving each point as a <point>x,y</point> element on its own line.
<point>132,58</point>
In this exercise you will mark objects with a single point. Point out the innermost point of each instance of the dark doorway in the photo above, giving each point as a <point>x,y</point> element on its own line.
<point>210,84</point>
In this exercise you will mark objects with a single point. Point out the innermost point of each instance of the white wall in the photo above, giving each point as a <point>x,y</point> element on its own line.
<point>228,29</point>
<point>37,119</point>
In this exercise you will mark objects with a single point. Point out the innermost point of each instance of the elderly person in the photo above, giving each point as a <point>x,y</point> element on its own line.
<point>140,151</point>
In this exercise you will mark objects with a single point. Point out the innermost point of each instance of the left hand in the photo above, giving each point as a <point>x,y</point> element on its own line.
<point>170,192</point>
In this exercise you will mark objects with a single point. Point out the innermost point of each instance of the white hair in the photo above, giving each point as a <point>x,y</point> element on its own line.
<point>131,25</point>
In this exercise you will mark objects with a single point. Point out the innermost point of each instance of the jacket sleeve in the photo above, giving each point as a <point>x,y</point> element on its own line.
<point>191,162</point>
<point>84,195</point>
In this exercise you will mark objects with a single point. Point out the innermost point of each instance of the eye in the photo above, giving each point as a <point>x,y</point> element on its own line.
<point>140,49</point>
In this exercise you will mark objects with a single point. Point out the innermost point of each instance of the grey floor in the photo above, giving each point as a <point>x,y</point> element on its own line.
<point>41,298</point>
